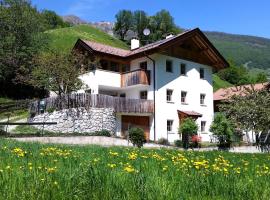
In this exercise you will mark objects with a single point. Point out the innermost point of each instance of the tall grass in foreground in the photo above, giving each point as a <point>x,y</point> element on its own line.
<point>36,171</point>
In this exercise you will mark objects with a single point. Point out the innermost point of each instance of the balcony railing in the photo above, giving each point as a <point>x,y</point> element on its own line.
<point>119,104</point>
<point>135,77</point>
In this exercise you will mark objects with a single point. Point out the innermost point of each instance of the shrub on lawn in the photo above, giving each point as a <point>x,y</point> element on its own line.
<point>178,143</point>
<point>188,128</point>
<point>137,137</point>
<point>163,141</point>
<point>222,128</point>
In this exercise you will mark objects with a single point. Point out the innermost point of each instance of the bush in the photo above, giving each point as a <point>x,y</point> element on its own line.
<point>50,110</point>
<point>103,133</point>
<point>223,129</point>
<point>163,141</point>
<point>178,143</point>
<point>188,128</point>
<point>137,137</point>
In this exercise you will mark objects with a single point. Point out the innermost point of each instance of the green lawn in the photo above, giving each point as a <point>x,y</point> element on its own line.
<point>64,38</point>
<point>36,171</point>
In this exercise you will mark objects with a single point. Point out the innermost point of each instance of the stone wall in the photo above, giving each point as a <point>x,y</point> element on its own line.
<point>79,120</point>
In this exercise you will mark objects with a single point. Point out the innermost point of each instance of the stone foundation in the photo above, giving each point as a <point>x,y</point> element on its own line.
<point>79,120</point>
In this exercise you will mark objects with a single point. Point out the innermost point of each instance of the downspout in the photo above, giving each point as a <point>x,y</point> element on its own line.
<point>154,90</point>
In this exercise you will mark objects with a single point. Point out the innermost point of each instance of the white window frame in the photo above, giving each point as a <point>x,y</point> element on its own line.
<point>202,100</point>
<point>171,126</point>
<point>171,96</point>
<point>184,102</point>
<point>203,127</point>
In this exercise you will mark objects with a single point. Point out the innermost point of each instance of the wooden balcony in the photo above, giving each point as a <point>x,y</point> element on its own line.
<point>136,77</point>
<point>119,104</point>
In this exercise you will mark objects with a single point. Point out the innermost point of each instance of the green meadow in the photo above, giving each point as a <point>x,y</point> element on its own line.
<point>38,171</point>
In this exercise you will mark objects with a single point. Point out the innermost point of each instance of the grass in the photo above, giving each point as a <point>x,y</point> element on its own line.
<point>64,39</point>
<point>219,83</point>
<point>37,171</point>
<point>14,115</point>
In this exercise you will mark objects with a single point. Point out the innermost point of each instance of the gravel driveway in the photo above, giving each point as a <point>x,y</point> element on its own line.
<point>110,141</point>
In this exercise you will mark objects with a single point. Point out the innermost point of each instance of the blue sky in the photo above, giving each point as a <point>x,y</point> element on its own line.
<point>249,17</point>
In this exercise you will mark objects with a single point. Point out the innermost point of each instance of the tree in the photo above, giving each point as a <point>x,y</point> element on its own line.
<point>52,20</point>
<point>223,129</point>
<point>123,23</point>
<point>140,22</point>
<point>58,72</point>
<point>261,78</point>
<point>21,39</point>
<point>162,24</point>
<point>250,110</point>
<point>188,127</point>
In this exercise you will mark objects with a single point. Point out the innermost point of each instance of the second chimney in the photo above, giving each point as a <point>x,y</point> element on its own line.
<point>135,44</point>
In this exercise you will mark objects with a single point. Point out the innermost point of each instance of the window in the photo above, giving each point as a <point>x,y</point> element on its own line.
<point>169,66</point>
<point>183,97</point>
<point>89,91</point>
<point>183,69</point>
<point>123,95</point>
<point>169,95</point>
<point>143,95</point>
<point>201,73</point>
<point>143,65</point>
<point>169,125</point>
<point>202,99</point>
<point>114,67</point>
<point>203,124</point>
<point>125,68</point>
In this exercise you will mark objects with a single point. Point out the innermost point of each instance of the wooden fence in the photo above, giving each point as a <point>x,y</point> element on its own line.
<point>119,104</point>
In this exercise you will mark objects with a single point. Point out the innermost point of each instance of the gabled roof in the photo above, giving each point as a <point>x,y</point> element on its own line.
<point>195,35</point>
<point>226,93</point>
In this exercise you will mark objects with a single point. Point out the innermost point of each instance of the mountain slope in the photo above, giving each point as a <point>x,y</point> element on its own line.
<point>64,38</point>
<point>251,51</point>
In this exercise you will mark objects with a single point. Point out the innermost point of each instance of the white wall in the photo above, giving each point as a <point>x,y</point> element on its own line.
<point>192,84</point>
<point>92,80</point>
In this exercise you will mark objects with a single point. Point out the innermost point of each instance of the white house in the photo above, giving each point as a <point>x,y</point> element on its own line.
<point>158,84</point>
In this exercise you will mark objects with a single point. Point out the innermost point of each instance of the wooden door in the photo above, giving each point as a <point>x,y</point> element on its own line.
<point>136,121</point>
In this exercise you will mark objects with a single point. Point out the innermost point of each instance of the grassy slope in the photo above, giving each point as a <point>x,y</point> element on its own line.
<point>65,38</point>
<point>219,83</point>
<point>243,49</point>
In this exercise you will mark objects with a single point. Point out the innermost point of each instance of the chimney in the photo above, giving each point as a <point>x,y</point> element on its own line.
<point>169,36</point>
<point>135,43</point>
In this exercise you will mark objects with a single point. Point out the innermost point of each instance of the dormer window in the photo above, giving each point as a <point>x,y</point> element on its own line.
<point>169,66</point>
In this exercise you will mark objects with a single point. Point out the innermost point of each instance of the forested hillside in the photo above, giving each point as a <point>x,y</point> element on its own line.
<point>249,50</point>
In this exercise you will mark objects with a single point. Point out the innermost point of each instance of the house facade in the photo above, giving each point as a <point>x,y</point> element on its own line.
<point>158,85</point>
